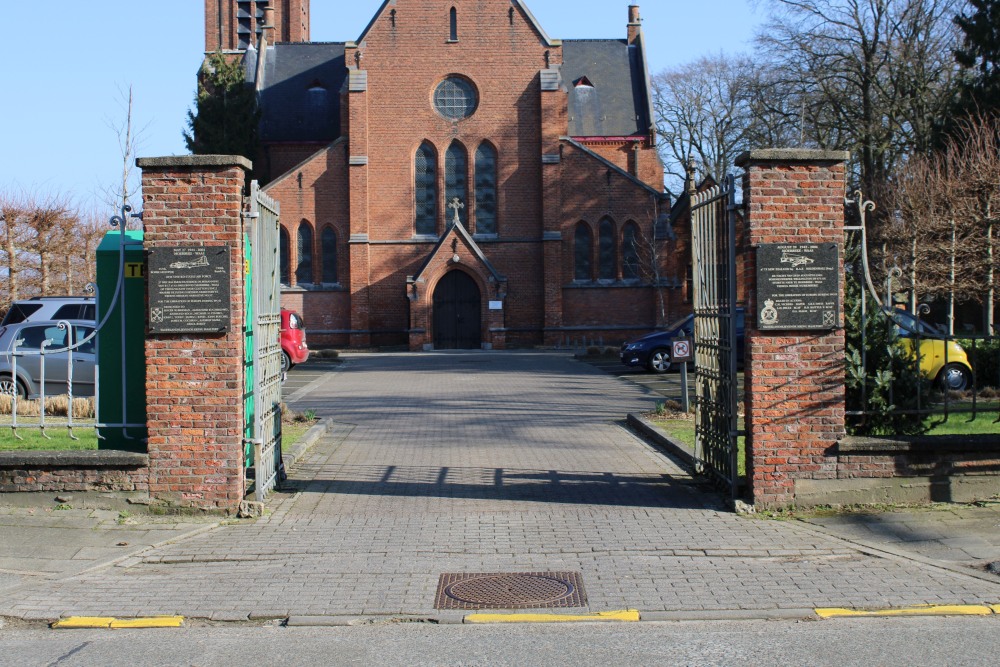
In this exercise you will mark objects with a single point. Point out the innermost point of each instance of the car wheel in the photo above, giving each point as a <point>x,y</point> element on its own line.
<point>286,362</point>
<point>8,387</point>
<point>955,377</point>
<point>659,361</point>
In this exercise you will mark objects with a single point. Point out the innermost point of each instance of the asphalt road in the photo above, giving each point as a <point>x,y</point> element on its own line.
<point>912,642</point>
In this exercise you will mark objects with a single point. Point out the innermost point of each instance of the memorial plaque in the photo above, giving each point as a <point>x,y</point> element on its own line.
<point>189,289</point>
<point>798,286</point>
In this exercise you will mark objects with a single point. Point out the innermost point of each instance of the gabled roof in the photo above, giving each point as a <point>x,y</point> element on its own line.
<point>616,105</point>
<point>466,237</point>
<point>290,112</point>
<point>615,168</point>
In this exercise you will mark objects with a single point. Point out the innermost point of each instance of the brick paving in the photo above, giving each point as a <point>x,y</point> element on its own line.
<point>490,462</point>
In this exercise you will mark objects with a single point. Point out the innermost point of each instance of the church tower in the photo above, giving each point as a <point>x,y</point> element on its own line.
<point>233,25</point>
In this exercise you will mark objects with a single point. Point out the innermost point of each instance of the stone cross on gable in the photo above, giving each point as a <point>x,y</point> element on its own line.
<point>456,204</point>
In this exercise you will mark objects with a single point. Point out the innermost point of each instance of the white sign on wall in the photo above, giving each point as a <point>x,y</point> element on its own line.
<point>496,305</point>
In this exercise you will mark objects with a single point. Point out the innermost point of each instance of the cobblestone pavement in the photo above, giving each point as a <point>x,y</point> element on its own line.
<point>491,462</point>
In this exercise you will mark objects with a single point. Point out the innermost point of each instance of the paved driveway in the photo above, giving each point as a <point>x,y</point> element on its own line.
<point>491,462</point>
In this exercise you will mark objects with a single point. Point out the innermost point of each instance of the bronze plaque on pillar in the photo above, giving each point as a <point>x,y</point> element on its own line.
<point>189,289</point>
<point>798,286</point>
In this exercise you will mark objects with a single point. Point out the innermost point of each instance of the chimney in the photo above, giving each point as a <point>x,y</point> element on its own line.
<point>634,23</point>
<point>267,29</point>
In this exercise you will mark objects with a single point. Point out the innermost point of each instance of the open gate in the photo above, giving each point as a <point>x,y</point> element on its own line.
<point>262,325</point>
<point>713,248</point>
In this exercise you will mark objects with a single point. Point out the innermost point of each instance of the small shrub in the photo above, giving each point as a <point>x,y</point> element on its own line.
<point>985,359</point>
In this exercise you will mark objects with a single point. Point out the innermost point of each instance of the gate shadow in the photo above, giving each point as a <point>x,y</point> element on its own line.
<point>517,485</point>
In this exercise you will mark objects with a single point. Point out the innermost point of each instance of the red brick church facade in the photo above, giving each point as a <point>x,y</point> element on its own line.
<point>456,178</point>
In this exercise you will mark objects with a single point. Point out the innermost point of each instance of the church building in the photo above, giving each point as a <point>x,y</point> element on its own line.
<point>455,178</point>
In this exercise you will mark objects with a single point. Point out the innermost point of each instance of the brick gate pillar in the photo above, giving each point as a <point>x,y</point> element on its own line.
<point>794,379</point>
<point>194,381</point>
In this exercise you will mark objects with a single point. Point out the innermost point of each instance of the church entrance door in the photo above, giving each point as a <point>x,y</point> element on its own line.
<point>457,306</point>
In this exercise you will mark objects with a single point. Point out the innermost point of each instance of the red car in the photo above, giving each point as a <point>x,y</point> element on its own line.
<point>293,339</point>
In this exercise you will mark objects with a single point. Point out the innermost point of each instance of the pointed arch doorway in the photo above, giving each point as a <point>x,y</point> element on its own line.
<point>457,313</point>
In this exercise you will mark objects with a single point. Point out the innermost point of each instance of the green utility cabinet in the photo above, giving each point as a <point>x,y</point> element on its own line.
<point>121,354</point>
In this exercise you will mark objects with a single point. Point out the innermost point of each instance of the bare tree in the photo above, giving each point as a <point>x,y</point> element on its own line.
<point>975,150</point>
<point>705,110</point>
<point>869,76</point>
<point>14,235</point>
<point>128,138</point>
<point>944,215</point>
<point>50,222</point>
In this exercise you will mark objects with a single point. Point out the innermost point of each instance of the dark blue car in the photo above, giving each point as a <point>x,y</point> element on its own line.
<point>652,351</point>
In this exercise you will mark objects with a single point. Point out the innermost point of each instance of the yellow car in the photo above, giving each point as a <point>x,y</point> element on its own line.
<point>942,360</point>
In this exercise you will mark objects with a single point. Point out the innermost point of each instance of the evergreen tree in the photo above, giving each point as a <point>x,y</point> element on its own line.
<point>980,56</point>
<point>226,117</point>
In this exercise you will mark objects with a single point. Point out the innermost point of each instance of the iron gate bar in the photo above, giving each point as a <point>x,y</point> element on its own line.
<point>262,329</point>
<point>713,240</point>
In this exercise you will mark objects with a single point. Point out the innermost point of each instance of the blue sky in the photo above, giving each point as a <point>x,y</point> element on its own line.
<point>63,82</point>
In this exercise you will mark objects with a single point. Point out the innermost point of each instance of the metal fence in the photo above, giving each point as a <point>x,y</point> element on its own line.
<point>907,374</point>
<point>49,375</point>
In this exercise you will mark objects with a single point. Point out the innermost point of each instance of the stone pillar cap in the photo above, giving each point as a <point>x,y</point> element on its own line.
<point>175,161</point>
<point>791,155</point>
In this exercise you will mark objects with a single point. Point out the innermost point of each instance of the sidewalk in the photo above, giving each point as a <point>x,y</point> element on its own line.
<point>514,463</point>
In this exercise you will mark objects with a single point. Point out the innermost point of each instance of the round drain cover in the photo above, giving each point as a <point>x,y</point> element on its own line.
<point>509,590</point>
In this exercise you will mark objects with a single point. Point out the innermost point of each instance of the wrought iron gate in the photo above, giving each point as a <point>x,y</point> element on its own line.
<point>262,403</point>
<point>713,248</point>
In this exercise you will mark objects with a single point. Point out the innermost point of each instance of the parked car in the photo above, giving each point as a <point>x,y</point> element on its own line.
<point>942,360</point>
<point>294,349</point>
<point>652,351</point>
<point>26,381</point>
<point>51,308</point>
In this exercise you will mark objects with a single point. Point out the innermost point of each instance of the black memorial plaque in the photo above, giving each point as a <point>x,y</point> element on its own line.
<point>189,289</point>
<point>798,286</point>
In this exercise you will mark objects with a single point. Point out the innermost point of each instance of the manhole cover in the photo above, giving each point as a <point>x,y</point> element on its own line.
<point>511,590</point>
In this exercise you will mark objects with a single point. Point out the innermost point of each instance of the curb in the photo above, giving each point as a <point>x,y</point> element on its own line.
<point>480,618</point>
<point>111,623</point>
<point>920,610</point>
<point>661,440</point>
<point>620,616</point>
<point>305,443</point>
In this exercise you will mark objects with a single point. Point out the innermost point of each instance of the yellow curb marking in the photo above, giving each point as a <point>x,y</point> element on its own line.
<point>74,622</point>
<point>921,610</point>
<point>624,615</point>
<point>995,608</point>
<point>155,622</point>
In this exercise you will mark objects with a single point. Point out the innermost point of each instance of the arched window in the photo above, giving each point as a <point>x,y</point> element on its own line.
<point>608,263</point>
<point>283,260</point>
<point>425,187</point>
<point>453,20</point>
<point>583,252</point>
<point>328,242</point>
<point>456,180</point>
<point>304,269</point>
<point>630,252</point>
<point>486,189</point>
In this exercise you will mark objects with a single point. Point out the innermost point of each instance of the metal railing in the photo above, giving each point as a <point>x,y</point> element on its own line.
<point>55,365</point>
<point>928,375</point>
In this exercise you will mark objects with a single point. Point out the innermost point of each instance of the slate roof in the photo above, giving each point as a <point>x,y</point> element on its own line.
<point>289,111</point>
<point>617,104</point>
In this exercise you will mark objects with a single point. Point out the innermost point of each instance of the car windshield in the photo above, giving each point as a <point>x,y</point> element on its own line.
<point>908,325</point>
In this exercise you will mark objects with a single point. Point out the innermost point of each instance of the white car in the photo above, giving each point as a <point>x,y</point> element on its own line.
<point>51,308</point>
<point>23,375</point>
